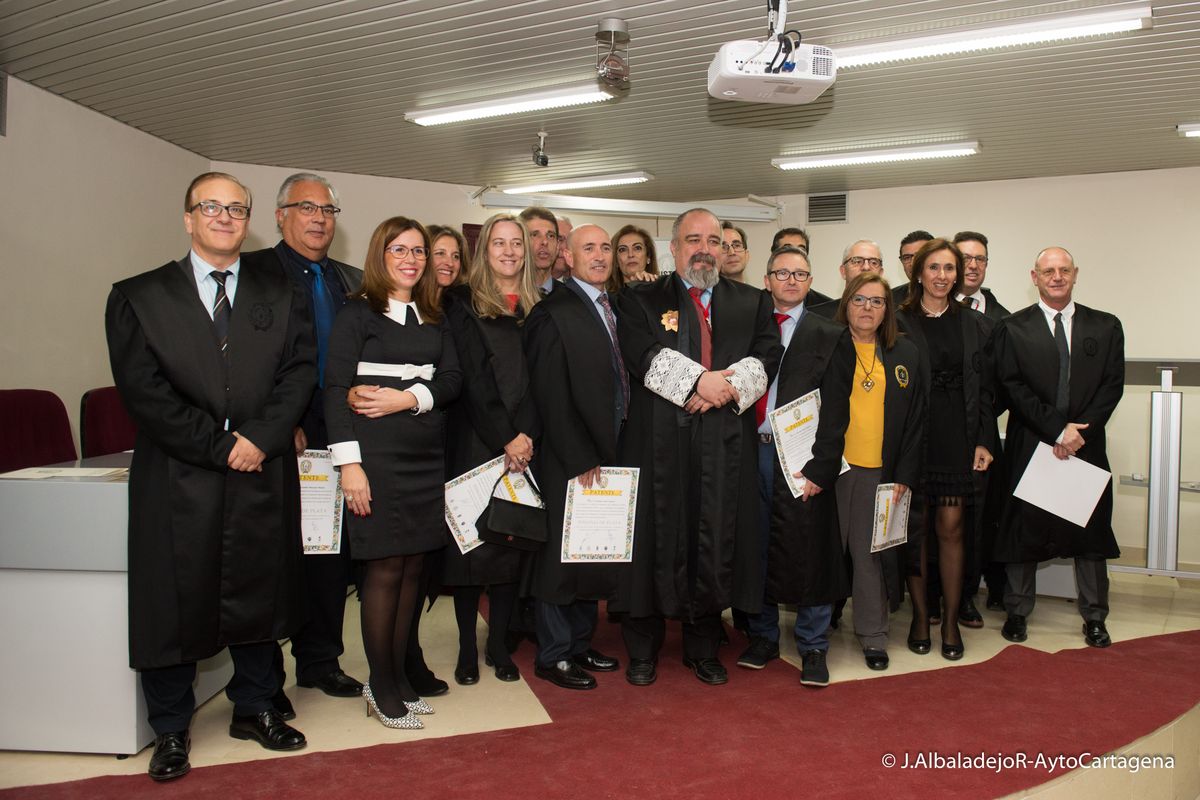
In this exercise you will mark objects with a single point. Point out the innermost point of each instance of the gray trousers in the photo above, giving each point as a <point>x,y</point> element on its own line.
<point>1091,581</point>
<point>856,517</point>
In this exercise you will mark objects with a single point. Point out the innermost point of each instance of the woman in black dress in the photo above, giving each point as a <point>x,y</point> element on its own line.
<point>958,443</point>
<point>494,416</point>
<point>392,452</point>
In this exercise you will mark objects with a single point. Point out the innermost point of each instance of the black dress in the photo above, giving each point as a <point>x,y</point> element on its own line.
<point>403,454</point>
<point>494,407</point>
<point>948,453</point>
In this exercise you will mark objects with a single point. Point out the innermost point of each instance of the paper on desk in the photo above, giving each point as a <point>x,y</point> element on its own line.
<point>40,473</point>
<point>1068,489</point>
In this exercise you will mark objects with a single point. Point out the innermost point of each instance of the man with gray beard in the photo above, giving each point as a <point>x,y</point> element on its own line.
<point>700,350</point>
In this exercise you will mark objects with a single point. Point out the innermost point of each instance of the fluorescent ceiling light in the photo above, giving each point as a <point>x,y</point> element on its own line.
<point>582,182</point>
<point>1191,131</point>
<point>557,97</point>
<point>1038,31</point>
<point>626,208</point>
<point>877,156</point>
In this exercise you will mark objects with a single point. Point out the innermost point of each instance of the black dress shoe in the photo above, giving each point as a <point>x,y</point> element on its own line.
<point>1014,628</point>
<point>284,706</point>
<point>968,614</point>
<point>995,601</point>
<point>876,659</point>
<point>505,672</point>
<point>641,671</point>
<point>596,661</point>
<point>466,674</point>
<point>334,684</point>
<point>268,729</point>
<point>428,684</point>
<point>1095,634</point>
<point>951,651</point>
<point>170,759</point>
<point>566,674</point>
<point>708,670</point>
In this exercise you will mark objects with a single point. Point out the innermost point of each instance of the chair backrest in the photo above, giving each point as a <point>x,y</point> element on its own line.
<point>104,424</point>
<point>34,429</point>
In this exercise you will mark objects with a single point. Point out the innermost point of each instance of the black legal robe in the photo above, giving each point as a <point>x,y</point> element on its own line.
<point>1027,369</point>
<point>805,564</point>
<point>577,394</point>
<point>696,549</point>
<point>214,554</point>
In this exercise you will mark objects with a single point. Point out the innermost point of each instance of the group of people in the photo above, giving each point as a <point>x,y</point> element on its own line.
<point>563,350</point>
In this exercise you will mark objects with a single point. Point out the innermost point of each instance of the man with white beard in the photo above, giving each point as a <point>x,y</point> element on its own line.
<point>700,350</point>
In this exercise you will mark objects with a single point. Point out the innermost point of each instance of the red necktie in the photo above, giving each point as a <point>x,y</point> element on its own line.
<point>705,330</point>
<point>760,408</point>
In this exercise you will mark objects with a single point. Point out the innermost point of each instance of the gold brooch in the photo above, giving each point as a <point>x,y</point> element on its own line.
<point>902,376</point>
<point>670,321</point>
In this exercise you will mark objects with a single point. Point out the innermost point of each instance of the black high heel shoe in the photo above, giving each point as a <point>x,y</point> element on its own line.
<point>952,652</point>
<point>505,672</point>
<point>919,646</point>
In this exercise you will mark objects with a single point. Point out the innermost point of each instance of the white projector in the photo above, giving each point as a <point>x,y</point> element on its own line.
<point>738,72</point>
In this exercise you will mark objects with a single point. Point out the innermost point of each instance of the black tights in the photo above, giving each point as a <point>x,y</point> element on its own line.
<point>391,590</point>
<point>502,597</point>
<point>948,524</point>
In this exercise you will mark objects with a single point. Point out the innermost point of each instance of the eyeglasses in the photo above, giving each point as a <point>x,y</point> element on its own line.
<point>980,260</point>
<point>211,208</point>
<point>401,252</point>
<point>782,275</point>
<point>310,209</point>
<point>861,300</point>
<point>906,258</point>
<point>858,261</point>
<point>737,246</point>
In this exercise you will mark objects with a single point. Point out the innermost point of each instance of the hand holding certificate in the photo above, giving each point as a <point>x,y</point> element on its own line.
<point>794,426</point>
<point>891,518</point>
<point>320,503</point>
<point>598,521</point>
<point>467,496</point>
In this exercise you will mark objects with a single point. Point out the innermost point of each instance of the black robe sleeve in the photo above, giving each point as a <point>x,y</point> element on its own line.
<point>346,340</point>
<point>638,343</point>
<point>447,381</point>
<point>912,447</point>
<point>826,462</point>
<point>988,434</point>
<point>1040,417</point>
<point>480,393</point>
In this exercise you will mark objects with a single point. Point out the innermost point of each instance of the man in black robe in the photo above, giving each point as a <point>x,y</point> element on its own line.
<point>1061,366</point>
<point>701,350</point>
<point>215,362</point>
<point>579,383</point>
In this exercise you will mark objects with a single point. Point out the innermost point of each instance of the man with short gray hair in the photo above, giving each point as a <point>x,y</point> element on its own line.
<point>861,256</point>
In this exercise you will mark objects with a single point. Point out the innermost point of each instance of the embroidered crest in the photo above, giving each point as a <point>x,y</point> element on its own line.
<point>670,321</point>
<point>1090,346</point>
<point>902,376</point>
<point>261,316</point>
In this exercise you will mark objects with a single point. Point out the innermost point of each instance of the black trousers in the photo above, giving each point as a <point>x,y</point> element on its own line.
<point>170,701</point>
<point>644,636</point>
<point>317,645</point>
<point>564,631</point>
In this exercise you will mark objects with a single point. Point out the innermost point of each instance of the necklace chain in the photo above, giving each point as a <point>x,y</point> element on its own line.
<point>867,383</point>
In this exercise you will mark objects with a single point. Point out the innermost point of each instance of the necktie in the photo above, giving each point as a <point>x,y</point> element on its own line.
<point>1062,398</point>
<point>705,329</point>
<point>323,314</point>
<point>610,321</point>
<point>974,303</point>
<point>222,311</point>
<point>760,408</point>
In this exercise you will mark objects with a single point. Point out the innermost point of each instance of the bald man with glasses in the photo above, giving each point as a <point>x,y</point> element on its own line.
<point>861,256</point>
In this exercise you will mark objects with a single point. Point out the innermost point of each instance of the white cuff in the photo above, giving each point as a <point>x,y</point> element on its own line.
<point>672,375</point>
<point>750,379</point>
<point>424,398</point>
<point>345,453</point>
<point>1060,436</point>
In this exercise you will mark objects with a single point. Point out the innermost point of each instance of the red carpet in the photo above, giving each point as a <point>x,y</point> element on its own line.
<point>762,735</point>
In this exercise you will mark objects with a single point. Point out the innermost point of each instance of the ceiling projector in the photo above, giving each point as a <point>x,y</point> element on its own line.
<point>748,70</point>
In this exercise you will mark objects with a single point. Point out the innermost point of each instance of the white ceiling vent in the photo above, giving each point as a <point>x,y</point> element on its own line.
<point>827,207</point>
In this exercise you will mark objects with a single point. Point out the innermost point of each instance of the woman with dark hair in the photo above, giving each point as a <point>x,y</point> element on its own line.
<point>883,445</point>
<point>961,428</point>
<point>392,452</point>
<point>495,416</point>
<point>634,258</point>
<point>448,256</point>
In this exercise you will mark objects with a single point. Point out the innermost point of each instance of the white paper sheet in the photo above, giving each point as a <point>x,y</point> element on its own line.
<point>598,522</point>
<point>1068,489</point>
<point>41,473</point>
<point>320,503</point>
<point>467,496</point>
<point>891,519</point>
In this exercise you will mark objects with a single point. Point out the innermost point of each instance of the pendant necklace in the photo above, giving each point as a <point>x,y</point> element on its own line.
<point>867,383</point>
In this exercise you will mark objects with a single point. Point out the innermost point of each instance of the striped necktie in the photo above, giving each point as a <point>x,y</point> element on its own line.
<point>222,311</point>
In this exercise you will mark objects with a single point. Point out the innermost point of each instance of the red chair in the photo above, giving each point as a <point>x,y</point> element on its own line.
<point>34,429</point>
<point>104,424</point>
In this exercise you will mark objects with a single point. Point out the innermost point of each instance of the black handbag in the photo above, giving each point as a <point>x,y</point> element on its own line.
<point>512,524</point>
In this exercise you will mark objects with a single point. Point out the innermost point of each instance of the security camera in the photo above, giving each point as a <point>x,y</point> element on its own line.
<point>540,158</point>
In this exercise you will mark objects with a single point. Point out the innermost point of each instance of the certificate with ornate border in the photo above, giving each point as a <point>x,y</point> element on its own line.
<point>320,503</point>
<point>468,494</point>
<point>598,522</point>
<point>891,519</point>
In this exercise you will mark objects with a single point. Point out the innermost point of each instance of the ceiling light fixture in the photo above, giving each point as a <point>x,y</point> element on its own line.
<point>1036,31</point>
<point>558,97</point>
<point>626,208</point>
<point>582,182</point>
<point>1191,131</point>
<point>848,158</point>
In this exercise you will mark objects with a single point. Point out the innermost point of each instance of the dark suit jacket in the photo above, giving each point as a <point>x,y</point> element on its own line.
<point>214,554</point>
<point>1027,367</point>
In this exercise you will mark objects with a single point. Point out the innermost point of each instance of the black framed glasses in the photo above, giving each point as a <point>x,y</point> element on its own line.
<point>211,208</point>
<point>980,260</point>
<point>782,275</point>
<point>310,209</point>
<point>735,245</point>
